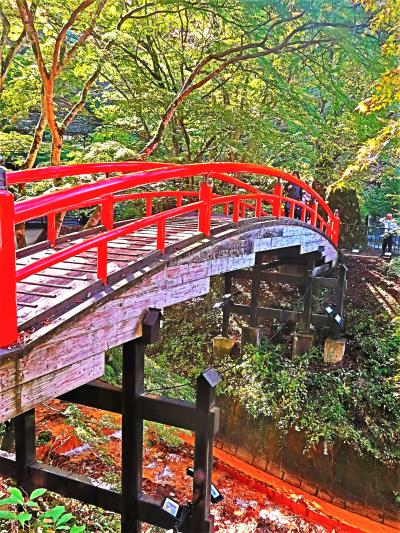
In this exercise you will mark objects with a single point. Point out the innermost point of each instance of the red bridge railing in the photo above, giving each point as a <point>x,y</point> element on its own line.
<point>113,189</point>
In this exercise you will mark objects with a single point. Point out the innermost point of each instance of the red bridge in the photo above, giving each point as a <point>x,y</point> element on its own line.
<point>87,291</point>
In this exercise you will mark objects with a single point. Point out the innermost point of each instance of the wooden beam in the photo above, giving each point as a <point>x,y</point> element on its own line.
<point>161,409</point>
<point>282,315</point>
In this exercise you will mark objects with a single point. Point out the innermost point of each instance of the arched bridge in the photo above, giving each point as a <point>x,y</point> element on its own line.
<point>66,300</point>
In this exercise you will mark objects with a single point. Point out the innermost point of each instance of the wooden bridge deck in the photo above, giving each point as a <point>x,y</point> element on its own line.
<point>59,287</point>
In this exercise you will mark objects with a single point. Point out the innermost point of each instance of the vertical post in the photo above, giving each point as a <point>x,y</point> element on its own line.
<point>107,212</point>
<point>102,262</point>
<point>8,288</point>
<point>25,450</point>
<point>314,212</point>
<point>179,198</point>
<point>132,433</point>
<point>335,228</point>
<point>276,208</point>
<point>149,206</point>
<point>205,195</point>
<point>225,308</point>
<point>236,210</point>
<point>206,426</point>
<point>340,295</point>
<point>161,236</point>
<point>308,297</point>
<point>258,206</point>
<point>51,229</point>
<point>255,290</point>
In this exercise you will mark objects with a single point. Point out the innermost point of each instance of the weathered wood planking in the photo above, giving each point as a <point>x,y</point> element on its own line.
<point>56,357</point>
<point>26,395</point>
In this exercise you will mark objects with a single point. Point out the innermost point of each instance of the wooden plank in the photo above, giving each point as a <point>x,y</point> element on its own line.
<point>26,395</point>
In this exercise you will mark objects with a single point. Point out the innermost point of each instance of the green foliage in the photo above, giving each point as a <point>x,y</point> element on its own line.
<point>384,146</point>
<point>357,404</point>
<point>382,199</point>
<point>164,434</point>
<point>26,513</point>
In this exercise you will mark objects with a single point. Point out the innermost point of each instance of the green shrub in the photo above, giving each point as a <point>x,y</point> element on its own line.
<point>356,403</point>
<point>25,514</point>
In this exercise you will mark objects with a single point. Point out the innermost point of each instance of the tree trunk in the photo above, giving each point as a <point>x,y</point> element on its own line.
<point>94,219</point>
<point>20,235</point>
<point>36,143</point>
<point>56,147</point>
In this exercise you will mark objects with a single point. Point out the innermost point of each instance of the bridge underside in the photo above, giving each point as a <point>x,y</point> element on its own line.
<point>68,319</point>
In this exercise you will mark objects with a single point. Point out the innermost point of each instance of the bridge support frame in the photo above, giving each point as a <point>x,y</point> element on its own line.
<point>135,406</point>
<point>310,278</point>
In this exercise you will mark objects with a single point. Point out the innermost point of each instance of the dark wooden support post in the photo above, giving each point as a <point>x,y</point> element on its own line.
<point>206,425</point>
<point>25,449</point>
<point>340,291</point>
<point>225,309</point>
<point>255,290</point>
<point>132,420</point>
<point>132,433</point>
<point>308,295</point>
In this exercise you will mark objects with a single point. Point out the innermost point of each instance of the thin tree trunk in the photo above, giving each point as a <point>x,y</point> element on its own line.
<point>36,143</point>
<point>20,235</point>
<point>94,219</point>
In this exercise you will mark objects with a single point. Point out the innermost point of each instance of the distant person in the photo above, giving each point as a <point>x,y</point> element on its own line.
<point>390,228</point>
<point>295,192</point>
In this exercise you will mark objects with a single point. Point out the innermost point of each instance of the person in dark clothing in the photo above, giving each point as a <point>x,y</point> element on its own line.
<point>296,192</point>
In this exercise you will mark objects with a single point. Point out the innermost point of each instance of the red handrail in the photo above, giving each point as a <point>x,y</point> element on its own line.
<point>109,191</point>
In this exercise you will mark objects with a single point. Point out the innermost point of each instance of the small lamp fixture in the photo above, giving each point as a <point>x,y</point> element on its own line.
<point>216,496</point>
<point>334,315</point>
<point>170,506</point>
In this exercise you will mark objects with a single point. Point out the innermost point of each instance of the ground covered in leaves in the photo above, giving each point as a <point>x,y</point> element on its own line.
<point>87,441</point>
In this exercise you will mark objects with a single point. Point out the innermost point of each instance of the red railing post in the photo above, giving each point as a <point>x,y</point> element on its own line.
<point>149,206</point>
<point>8,290</point>
<point>236,210</point>
<point>107,212</point>
<point>277,205</point>
<point>102,262</point>
<point>313,215</point>
<point>205,196</point>
<point>51,229</point>
<point>161,236</point>
<point>335,228</point>
<point>258,207</point>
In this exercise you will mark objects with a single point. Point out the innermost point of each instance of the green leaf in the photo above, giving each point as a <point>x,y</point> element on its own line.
<point>9,501</point>
<point>37,493</point>
<point>64,519</point>
<point>77,529</point>
<point>17,494</point>
<point>8,515</point>
<point>32,504</point>
<point>54,513</point>
<point>24,517</point>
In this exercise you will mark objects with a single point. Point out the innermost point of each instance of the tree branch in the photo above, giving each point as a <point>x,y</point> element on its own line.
<point>26,15</point>
<point>82,100</point>
<point>60,40</point>
<point>82,38</point>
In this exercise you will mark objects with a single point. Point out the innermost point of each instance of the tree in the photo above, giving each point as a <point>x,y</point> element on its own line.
<point>385,98</point>
<point>277,34</point>
<point>9,46</point>
<point>61,55</point>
